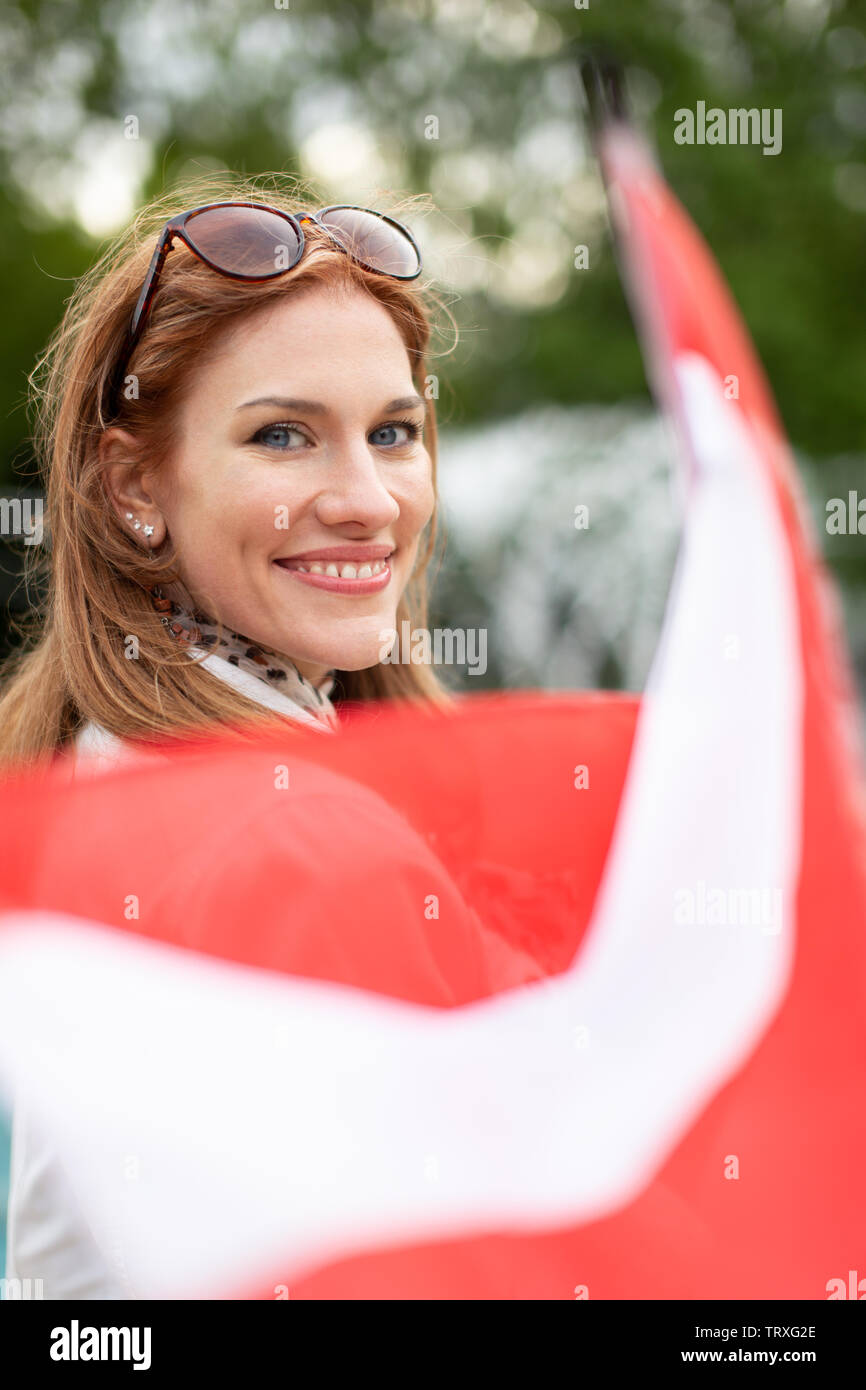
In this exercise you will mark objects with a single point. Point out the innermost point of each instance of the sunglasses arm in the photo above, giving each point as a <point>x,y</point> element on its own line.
<point>136,323</point>
<point>163,246</point>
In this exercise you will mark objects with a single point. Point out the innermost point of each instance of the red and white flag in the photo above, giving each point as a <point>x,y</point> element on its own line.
<point>552,997</point>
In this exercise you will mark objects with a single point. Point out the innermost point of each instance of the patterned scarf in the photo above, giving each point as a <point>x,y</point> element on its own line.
<point>200,632</point>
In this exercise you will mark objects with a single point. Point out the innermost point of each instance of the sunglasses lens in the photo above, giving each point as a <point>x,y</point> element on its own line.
<point>245,241</point>
<point>377,244</point>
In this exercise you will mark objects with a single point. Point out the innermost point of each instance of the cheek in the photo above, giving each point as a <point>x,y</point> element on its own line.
<point>417,498</point>
<point>215,521</point>
<point>244,509</point>
<point>192,497</point>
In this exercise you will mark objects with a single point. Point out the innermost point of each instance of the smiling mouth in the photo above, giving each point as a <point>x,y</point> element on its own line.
<point>355,576</point>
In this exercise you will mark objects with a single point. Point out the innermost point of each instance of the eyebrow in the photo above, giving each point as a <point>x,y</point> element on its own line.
<point>299,407</point>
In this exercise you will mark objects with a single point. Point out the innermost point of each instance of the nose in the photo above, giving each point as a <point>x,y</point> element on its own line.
<point>355,492</point>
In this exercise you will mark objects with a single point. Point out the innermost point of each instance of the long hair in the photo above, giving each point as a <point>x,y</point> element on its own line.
<point>73,665</point>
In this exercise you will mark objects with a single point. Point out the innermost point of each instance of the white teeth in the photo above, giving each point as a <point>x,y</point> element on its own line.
<point>367,570</point>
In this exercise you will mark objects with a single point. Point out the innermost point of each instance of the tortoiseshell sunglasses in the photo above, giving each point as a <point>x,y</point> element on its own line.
<point>251,241</point>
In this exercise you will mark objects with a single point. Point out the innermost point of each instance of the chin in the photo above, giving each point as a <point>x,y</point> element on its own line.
<point>357,653</point>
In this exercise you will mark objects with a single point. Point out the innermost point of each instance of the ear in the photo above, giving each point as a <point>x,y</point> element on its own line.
<point>127,485</point>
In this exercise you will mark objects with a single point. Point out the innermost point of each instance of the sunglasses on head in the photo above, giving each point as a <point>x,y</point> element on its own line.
<point>251,241</point>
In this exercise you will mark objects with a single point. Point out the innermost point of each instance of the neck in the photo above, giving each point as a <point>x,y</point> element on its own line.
<point>312,671</point>
<point>307,685</point>
<point>316,675</point>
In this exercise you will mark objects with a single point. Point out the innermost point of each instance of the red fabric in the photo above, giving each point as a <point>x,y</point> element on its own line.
<point>331,878</point>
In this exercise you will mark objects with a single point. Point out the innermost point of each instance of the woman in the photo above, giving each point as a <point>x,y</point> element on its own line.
<point>240,461</point>
<point>239,437</point>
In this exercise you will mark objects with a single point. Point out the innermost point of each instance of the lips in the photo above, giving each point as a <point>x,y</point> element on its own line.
<point>347,569</point>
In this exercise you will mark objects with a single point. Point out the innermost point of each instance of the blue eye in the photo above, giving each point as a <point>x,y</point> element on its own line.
<point>279,436</point>
<point>408,429</point>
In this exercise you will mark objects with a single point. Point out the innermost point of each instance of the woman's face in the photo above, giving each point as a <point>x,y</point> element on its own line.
<point>299,486</point>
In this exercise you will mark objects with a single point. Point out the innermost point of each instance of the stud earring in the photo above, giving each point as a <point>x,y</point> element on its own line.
<point>129,516</point>
<point>148,530</point>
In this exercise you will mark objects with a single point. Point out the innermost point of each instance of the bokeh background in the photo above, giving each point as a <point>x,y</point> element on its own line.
<point>543,401</point>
